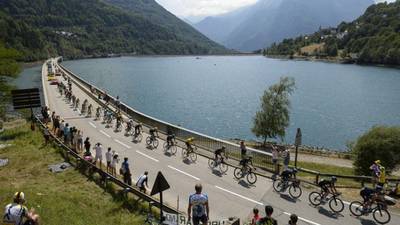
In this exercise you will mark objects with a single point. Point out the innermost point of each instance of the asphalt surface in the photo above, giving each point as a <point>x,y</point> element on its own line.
<point>228,196</point>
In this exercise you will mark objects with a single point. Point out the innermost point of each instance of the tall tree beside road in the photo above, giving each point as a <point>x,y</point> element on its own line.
<point>273,117</point>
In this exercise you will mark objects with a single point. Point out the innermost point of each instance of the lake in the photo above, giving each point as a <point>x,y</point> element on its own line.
<point>219,95</point>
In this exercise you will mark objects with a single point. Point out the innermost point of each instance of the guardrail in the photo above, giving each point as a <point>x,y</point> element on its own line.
<point>261,159</point>
<point>106,177</point>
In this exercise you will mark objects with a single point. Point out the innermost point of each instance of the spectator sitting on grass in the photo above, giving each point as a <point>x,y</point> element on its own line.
<point>16,213</point>
<point>293,219</point>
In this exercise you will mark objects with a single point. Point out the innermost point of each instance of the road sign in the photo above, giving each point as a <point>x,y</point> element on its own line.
<point>160,184</point>
<point>26,98</point>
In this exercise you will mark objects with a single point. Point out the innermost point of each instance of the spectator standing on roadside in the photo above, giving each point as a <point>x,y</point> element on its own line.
<point>243,149</point>
<point>66,133</point>
<point>126,172</point>
<point>61,130</point>
<point>98,154</point>
<point>87,145</point>
<point>80,141</point>
<point>198,206</point>
<point>56,125</point>
<point>142,182</point>
<point>268,220</point>
<point>286,158</point>
<point>109,159</point>
<point>256,217</point>
<point>114,162</point>
<point>375,167</point>
<point>293,219</point>
<point>275,157</point>
<point>46,135</point>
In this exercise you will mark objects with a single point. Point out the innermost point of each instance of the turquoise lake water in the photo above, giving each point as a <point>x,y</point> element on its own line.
<point>219,95</point>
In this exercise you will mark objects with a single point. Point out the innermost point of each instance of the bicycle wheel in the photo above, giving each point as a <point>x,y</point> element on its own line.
<point>138,138</point>
<point>277,185</point>
<point>238,173</point>
<point>211,163</point>
<point>223,167</point>
<point>173,149</point>
<point>381,216</point>
<point>251,178</point>
<point>148,141</point>
<point>184,153</point>
<point>193,156</point>
<point>356,208</point>
<point>295,191</point>
<point>315,198</point>
<point>336,205</point>
<point>155,143</point>
<point>165,146</point>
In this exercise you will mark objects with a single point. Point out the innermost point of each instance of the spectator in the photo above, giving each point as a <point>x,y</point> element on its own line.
<point>256,217</point>
<point>98,154</point>
<point>375,167</point>
<point>198,205</point>
<point>126,172</point>
<point>109,159</point>
<point>286,158</point>
<point>293,219</point>
<point>142,182</point>
<point>56,125</point>
<point>53,116</point>
<point>87,145</point>
<point>61,130</point>
<point>46,135</point>
<point>114,162</point>
<point>80,141</point>
<point>275,155</point>
<point>16,212</point>
<point>243,149</point>
<point>66,133</point>
<point>268,220</point>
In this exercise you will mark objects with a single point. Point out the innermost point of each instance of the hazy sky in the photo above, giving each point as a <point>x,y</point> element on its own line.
<point>196,8</point>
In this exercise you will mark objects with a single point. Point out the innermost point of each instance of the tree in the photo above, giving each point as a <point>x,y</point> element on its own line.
<point>381,143</point>
<point>273,117</point>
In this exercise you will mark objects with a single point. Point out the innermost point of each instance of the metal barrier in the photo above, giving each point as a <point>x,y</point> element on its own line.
<point>261,159</point>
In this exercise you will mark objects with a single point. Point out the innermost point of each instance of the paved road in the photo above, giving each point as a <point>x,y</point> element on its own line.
<point>228,196</point>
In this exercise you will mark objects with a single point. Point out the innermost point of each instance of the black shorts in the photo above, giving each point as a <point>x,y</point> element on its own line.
<point>197,219</point>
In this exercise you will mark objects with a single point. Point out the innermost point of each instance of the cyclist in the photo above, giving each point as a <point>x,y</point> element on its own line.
<point>218,154</point>
<point>245,162</point>
<point>328,187</point>
<point>90,109</point>
<point>189,147</point>
<point>138,129</point>
<point>153,133</point>
<point>171,140</point>
<point>129,125</point>
<point>98,112</point>
<point>76,103</point>
<point>288,174</point>
<point>370,195</point>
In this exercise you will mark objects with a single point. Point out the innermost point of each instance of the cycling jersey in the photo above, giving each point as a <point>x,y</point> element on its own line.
<point>366,193</point>
<point>219,151</point>
<point>325,184</point>
<point>198,202</point>
<point>137,128</point>
<point>286,174</point>
<point>153,132</point>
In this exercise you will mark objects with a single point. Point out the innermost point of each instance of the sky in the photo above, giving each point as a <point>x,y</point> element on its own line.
<point>198,9</point>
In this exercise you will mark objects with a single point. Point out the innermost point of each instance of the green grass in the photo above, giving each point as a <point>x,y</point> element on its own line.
<point>63,198</point>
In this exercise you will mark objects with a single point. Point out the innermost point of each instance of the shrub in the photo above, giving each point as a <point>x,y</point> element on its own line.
<point>380,142</point>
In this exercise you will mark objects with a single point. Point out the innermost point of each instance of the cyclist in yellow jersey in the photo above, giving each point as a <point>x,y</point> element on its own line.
<point>189,143</point>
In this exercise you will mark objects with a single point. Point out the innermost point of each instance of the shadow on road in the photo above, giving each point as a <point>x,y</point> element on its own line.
<point>328,213</point>
<point>288,198</point>
<point>244,184</point>
<point>216,172</point>
<point>367,222</point>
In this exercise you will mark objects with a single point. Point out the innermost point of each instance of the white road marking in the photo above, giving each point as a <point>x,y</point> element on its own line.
<point>189,175</point>
<point>107,135</point>
<point>241,196</point>
<point>91,124</point>
<point>147,156</point>
<point>121,143</point>
<point>303,219</point>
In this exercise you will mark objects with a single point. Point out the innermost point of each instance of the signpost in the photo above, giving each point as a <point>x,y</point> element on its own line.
<point>26,98</point>
<point>160,185</point>
<point>297,143</point>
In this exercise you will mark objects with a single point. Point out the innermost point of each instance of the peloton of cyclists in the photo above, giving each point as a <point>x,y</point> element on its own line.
<point>328,187</point>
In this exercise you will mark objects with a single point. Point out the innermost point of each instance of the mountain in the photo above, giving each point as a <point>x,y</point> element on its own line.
<point>269,21</point>
<point>374,37</point>
<point>78,28</point>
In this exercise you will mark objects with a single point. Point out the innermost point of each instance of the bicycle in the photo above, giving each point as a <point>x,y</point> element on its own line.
<point>335,203</point>
<point>239,173</point>
<point>191,154</point>
<point>280,186</point>
<point>172,148</point>
<point>213,163</point>
<point>379,212</point>
<point>152,141</point>
<point>137,137</point>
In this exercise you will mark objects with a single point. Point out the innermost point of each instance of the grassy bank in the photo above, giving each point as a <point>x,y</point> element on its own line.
<point>62,198</point>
